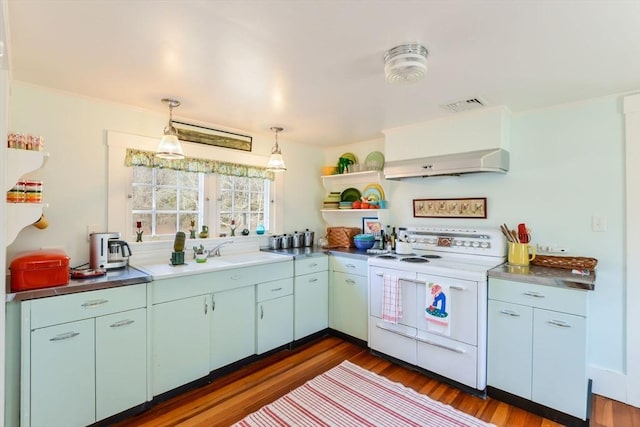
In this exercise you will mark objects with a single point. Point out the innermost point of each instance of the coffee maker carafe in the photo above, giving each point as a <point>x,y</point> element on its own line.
<point>108,251</point>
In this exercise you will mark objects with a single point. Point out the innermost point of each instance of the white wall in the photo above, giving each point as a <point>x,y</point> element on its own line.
<point>75,177</point>
<point>567,164</point>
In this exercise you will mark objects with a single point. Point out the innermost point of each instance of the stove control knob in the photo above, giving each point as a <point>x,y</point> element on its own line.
<point>484,245</point>
<point>467,243</point>
<point>475,244</point>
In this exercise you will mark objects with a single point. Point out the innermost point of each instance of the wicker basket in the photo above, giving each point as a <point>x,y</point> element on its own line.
<point>570,263</point>
<point>341,237</point>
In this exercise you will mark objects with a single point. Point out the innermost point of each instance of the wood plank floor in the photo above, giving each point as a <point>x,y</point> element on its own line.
<point>232,397</point>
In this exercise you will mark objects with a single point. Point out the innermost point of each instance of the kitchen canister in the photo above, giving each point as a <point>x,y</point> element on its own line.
<point>308,238</point>
<point>275,242</point>
<point>297,240</point>
<point>287,241</point>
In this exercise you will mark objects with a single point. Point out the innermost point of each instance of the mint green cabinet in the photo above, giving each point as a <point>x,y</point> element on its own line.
<point>180,342</point>
<point>121,362</point>
<point>233,326</point>
<point>348,308</point>
<point>62,375</point>
<point>311,296</point>
<point>84,356</point>
<point>274,314</point>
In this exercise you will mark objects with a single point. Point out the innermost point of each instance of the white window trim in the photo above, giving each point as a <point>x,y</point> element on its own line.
<point>119,180</point>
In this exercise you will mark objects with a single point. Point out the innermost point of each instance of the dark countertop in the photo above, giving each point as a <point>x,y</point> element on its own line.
<point>558,277</point>
<point>297,253</point>
<point>114,278</point>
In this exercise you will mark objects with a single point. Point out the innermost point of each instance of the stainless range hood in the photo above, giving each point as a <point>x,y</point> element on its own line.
<point>493,160</point>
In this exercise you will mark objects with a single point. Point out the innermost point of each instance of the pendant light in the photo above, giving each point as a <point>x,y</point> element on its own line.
<point>276,162</point>
<point>169,147</point>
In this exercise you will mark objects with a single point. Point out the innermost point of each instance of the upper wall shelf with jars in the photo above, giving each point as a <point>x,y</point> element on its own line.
<point>19,215</point>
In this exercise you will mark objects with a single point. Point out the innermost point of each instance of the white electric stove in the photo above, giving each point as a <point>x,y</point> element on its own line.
<point>443,292</point>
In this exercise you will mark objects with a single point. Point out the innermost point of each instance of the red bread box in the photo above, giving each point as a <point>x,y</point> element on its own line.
<point>39,269</point>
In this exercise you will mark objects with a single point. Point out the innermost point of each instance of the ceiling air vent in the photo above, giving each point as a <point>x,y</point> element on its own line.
<point>467,104</point>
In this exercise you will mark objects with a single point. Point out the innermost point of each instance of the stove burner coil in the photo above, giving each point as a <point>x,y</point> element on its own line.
<point>431,256</point>
<point>414,259</point>
<point>387,256</point>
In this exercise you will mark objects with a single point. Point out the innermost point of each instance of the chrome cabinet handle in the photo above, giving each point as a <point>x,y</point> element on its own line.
<point>383,327</point>
<point>559,323</point>
<point>315,279</point>
<point>350,281</point>
<point>509,313</point>
<point>458,288</point>
<point>65,336</point>
<point>206,305</point>
<point>350,266</point>
<point>261,312</point>
<point>122,323</point>
<point>446,347</point>
<point>533,294</point>
<point>313,265</point>
<point>213,304</point>
<point>94,303</point>
<point>276,289</point>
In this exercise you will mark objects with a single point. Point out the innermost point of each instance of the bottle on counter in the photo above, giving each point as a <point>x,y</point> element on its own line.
<point>393,239</point>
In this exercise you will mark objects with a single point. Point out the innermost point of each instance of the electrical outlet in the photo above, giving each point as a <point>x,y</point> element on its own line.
<point>552,249</point>
<point>91,228</point>
<point>598,223</point>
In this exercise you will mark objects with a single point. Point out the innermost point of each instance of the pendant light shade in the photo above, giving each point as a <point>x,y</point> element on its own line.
<point>169,147</point>
<point>276,162</point>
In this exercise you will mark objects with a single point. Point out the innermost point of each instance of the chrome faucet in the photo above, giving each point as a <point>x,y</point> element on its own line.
<point>216,250</point>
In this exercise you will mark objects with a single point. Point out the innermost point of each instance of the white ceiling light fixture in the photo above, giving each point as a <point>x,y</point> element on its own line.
<point>276,162</point>
<point>169,147</point>
<point>406,63</point>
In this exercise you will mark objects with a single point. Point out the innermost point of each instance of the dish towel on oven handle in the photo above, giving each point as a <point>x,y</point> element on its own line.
<point>438,308</point>
<point>391,298</point>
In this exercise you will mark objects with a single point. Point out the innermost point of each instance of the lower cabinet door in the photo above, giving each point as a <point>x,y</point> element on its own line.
<point>180,337</point>
<point>509,348</point>
<point>63,375</point>
<point>233,326</point>
<point>311,305</point>
<point>121,362</point>
<point>274,319</point>
<point>559,362</point>
<point>349,311</point>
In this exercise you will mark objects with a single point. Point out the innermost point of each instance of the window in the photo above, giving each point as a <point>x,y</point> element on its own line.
<point>165,200</point>
<point>243,200</point>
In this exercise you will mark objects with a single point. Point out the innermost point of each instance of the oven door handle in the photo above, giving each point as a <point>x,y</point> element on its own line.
<point>383,327</point>
<point>446,347</point>
<point>419,282</point>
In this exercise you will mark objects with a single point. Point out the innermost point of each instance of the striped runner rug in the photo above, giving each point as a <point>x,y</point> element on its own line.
<point>348,395</point>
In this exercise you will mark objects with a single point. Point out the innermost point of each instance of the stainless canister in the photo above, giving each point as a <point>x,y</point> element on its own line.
<point>275,242</point>
<point>287,242</point>
<point>297,240</point>
<point>308,238</point>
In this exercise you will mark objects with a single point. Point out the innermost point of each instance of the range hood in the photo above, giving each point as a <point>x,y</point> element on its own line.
<point>493,160</point>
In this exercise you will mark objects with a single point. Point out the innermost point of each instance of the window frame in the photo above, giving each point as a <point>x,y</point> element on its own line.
<point>119,183</point>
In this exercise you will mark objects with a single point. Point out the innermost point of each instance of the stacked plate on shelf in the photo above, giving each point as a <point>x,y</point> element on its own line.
<point>332,200</point>
<point>345,205</point>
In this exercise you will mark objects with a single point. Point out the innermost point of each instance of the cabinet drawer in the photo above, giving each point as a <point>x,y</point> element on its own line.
<point>84,305</point>
<point>349,265</point>
<point>572,301</point>
<point>275,289</point>
<point>311,265</point>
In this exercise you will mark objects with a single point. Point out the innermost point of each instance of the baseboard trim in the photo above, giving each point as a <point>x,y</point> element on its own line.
<point>610,384</point>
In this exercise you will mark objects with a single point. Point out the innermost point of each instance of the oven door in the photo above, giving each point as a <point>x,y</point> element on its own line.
<point>393,339</point>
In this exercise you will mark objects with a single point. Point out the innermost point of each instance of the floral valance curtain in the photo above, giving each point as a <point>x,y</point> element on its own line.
<point>191,164</point>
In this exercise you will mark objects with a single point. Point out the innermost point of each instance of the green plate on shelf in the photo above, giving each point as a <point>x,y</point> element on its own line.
<point>374,161</point>
<point>350,195</point>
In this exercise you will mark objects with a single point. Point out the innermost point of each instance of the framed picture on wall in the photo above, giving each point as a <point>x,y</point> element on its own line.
<point>371,225</point>
<point>450,208</point>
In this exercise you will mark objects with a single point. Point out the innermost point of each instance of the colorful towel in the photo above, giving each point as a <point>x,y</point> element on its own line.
<point>391,299</point>
<point>438,308</point>
<point>347,396</point>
